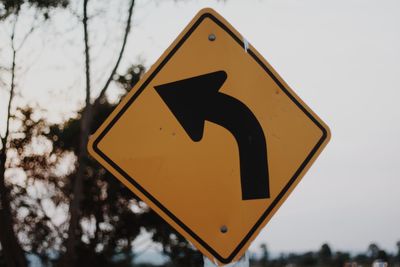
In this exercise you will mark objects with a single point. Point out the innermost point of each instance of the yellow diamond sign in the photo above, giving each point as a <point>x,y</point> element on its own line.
<point>211,138</point>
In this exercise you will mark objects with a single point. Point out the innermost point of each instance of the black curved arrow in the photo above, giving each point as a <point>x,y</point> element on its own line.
<point>195,100</point>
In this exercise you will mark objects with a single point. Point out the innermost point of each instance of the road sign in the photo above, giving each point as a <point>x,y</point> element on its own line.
<point>211,138</point>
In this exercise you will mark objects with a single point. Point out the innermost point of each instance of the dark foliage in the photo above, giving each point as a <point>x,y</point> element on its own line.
<point>8,7</point>
<point>325,257</point>
<point>111,215</point>
<point>2,262</point>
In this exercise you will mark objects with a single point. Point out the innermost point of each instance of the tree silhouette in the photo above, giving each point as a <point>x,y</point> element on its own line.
<point>325,255</point>
<point>340,258</point>
<point>10,10</point>
<point>373,251</point>
<point>88,113</point>
<point>398,251</point>
<point>111,215</point>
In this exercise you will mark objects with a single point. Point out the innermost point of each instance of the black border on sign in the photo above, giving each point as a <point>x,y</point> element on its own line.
<point>154,200</point>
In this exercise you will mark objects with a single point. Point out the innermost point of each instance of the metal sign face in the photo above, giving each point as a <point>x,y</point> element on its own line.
<point>211,138</point>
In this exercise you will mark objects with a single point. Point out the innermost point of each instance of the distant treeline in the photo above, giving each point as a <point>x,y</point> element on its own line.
<point>325,256</point>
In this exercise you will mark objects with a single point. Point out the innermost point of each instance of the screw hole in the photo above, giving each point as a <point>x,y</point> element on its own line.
<point>212,37</point>
<point>224,229</point>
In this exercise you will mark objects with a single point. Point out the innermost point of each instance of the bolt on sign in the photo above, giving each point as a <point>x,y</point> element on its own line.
<point>211,138</point>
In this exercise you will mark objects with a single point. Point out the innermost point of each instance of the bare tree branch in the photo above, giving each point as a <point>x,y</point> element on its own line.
<point>31,30</point>
<point>12,85</point>
<point>74,13</point>
<point>13,253</point>
<point>87,56</point>
<point>121,52</point>
<point>70,256</point>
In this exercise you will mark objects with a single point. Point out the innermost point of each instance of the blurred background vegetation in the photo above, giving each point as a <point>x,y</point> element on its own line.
<point>66,210</point>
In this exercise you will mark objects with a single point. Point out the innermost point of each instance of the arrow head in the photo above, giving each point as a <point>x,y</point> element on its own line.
<point>188,100</point>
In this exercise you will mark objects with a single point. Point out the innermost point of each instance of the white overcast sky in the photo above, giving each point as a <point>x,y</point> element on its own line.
<point>342,58</point>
